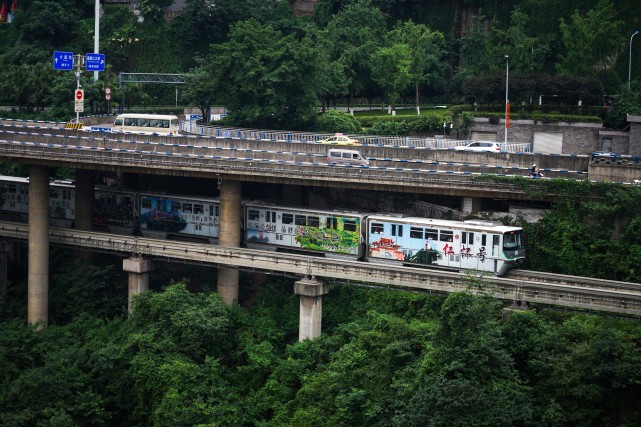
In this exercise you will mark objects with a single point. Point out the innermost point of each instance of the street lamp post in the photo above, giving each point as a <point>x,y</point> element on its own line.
<point>96,37</point>
<point>630,58</point>
<point>507,78</point>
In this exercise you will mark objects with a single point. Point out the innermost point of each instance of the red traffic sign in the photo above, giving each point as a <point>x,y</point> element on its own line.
<point>80,94</point>
<point>107,97</point>
<point>107,90</point>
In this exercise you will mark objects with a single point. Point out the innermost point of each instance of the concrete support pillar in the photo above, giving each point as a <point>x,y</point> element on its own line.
<point>4,256</point>
<point>84,199</point>
<point>138,269</point>
<point>310,292</point>
<point>230,219</point>
<point>470,205</point>
<point>38,272</point>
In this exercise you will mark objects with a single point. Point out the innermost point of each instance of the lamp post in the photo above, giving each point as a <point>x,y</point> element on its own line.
<point>96,36</point>
<point>507,79</point>
<point>630,58</point>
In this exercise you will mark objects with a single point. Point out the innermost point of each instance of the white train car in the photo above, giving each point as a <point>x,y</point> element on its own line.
<point>163,215</point>
<point>474,245</point>
<point>14,199</point>
<point>328,232</point>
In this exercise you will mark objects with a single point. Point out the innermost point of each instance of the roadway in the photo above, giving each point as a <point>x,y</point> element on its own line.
<point>404,169</point>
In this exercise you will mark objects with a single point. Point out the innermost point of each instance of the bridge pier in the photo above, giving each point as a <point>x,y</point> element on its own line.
<point>230,220</point>
<point>470,205</point>
<point>310,292</point>
<point>83,208</point>
<point>38,271</point>
<point>84,199</point>
<point>138,269</point>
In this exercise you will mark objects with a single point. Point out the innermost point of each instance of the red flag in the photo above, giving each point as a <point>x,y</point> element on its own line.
<point>507,115</point>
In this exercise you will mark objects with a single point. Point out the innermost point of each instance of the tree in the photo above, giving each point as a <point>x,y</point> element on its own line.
<point>355,32</point>
<point>264,77</point>
<point>426,53</point>
<point>391,68</point>
<point>592,40</point>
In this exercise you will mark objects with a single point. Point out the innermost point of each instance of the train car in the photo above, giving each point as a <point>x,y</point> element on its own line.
<point>14,196</point>
<point>474,245</point>
<point>114,210</point>
<point>164,215</point>
<point>330,233</point>
<point>14,199</point>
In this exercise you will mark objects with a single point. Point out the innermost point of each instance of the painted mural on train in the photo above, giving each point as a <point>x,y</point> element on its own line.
<point>342,239</point>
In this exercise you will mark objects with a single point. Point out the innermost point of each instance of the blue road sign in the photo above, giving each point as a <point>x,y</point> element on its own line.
<point>95,61</point>
<point>62,60</point>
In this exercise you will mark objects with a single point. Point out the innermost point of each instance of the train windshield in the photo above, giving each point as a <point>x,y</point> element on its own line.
<point>513,240</point>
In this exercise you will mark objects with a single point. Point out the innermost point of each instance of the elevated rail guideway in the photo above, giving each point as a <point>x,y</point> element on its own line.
<point>580,293</point>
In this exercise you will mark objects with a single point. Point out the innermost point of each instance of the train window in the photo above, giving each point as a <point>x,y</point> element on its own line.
<point>288,218</point>
<point>431,233</point>
<point>464,237</point>
<point>313,221</point>
<point>447,236</point>
<point>271,214</point>
<point>483,239</point>
<point>253,215</point>
<point>416,233</point>
<point>12,189</point>
<point>300,220</point>
<point>146,204</point>
<point>377,228</point>
<point>511,240</point>
<point>495,240</point>
<point>187,208</point>
<point>330,223</point>
<point>349,225</point>
<point>397,230</point>
<point>470,238</point>
<point>198,209</point>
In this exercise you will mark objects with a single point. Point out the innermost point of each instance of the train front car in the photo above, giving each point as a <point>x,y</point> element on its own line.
<point>471,245</point>
<point>333,234</point>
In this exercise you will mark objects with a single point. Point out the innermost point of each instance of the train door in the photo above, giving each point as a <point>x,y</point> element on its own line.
<point>285,235</point>
<point>496,251</point>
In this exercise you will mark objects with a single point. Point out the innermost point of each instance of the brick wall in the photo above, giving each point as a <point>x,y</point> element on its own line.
<point>578,138</point>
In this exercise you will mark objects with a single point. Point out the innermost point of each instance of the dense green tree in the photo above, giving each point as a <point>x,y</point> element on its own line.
<point>470,377</point>
<point>591,40</point>
<point>426,50</point>
<point>265,77</point>
<point>355,32</point>
<point>391,68</point>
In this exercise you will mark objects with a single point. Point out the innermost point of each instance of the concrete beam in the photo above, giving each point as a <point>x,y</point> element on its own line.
<point>230,220</point>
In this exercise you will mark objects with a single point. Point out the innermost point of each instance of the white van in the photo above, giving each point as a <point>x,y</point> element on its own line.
<point>341,156</point>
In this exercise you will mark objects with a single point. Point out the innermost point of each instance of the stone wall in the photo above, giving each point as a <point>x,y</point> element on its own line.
<point>635,135</point>
<point>578,138</point>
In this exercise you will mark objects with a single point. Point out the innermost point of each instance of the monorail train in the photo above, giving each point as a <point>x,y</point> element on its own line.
<point>389,238</point>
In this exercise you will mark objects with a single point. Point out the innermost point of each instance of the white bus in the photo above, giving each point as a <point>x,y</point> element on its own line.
<point>161,124</point>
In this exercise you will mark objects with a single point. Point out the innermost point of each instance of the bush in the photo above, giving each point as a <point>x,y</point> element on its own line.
<point>390,128</point>
<point>336,121</point>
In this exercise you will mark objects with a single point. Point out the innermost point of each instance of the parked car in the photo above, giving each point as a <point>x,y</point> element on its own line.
<point>339,139</point>
<point>481,146</point>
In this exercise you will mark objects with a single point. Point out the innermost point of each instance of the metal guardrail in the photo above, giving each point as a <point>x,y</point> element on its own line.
<point>387,141</point>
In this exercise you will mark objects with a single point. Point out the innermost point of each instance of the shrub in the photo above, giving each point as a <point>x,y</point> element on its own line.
<point>337,121</point>
<point>390,128</point>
